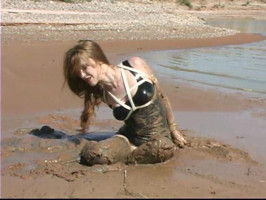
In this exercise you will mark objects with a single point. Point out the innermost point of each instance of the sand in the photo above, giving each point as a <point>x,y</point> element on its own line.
<point>33,96</point>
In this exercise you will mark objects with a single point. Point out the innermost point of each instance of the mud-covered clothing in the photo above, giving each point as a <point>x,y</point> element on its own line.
<point>146,123</point>
<point>146,126</point>
<point>144,114</point>
<point>118,149</point>
<point>144,95</point>
<point>142,98</point>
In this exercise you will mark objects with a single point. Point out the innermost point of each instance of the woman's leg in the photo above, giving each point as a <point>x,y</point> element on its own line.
<point>157,150</point>
<point>109,151</point>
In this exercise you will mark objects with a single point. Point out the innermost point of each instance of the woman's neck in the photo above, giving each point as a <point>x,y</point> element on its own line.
<point>110,77</point>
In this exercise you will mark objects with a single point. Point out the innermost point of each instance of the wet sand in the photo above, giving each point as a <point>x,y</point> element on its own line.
<point>47,68</point>
<point>32,96</point>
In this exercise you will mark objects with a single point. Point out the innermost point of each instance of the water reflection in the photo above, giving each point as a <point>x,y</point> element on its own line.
<point>238,67</point>
<point>245,25</point>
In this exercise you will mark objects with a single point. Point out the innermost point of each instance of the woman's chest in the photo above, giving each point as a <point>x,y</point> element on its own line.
<point>122,92</point>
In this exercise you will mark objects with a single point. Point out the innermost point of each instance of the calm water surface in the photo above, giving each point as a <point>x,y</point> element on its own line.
<point>235,67</point>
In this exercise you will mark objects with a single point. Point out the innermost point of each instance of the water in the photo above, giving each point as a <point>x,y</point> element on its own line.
<point>240,129</point>
<point>235,67</point>
<point>232,68</point>
<point>245,25</point>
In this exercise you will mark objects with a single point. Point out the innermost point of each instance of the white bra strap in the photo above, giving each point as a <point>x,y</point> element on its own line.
<point>136,85</point>
<point>142,106</point>
<point>121,103</point>
<point>132,69</point>
<point>128,115</point>
<point>127,89</point>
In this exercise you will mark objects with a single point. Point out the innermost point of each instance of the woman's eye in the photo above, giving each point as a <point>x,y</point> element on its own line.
<point>83,67</point>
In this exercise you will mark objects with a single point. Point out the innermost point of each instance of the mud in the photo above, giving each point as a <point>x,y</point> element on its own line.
<point>41,167</point>
<point>109,151</point>
<point>118,149</point>
<point>32,153</point>
<point>158,150</point>
<point>46,156</point>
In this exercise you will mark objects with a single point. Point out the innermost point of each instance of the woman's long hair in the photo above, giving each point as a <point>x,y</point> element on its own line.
<point>84,50</point>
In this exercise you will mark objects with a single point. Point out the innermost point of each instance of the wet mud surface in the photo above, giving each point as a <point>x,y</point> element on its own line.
<point>36,152</point>
<point>48,166</point>
<point>48,150</point>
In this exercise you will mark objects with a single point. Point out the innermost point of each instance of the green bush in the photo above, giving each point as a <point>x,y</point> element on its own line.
<point>185,2</point>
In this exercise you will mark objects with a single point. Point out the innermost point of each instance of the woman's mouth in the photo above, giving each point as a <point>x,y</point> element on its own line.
<point>88,77</point>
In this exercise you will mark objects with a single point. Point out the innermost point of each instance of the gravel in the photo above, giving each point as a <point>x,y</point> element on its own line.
<point>101,20</point>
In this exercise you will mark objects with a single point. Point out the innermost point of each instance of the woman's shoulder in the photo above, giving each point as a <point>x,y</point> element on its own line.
<point>136,61</point>
<point>140,64</point>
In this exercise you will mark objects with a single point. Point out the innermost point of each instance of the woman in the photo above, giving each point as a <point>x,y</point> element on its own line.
<point>132,91</point>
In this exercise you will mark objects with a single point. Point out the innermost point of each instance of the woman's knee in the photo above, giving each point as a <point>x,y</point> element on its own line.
<point>109,151</point>
<point>157,150</point>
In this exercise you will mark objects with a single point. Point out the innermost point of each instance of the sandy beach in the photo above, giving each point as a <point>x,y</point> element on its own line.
<point>36,34</point>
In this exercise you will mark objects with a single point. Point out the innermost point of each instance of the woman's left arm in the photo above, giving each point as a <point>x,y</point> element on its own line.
<point>175,134</point>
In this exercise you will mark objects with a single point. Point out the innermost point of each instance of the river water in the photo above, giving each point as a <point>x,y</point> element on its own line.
<point>233,67</point>
<point>230,68</point>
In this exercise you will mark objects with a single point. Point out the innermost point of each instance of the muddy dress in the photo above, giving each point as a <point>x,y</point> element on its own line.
<point>145,128</point>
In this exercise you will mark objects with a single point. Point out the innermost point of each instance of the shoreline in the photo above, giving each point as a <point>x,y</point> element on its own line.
<point>114,49</point>
<point>170,44</point>
<point>119,20</point>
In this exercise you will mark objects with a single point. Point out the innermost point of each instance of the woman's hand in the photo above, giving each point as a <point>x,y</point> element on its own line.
<point>178,139</point>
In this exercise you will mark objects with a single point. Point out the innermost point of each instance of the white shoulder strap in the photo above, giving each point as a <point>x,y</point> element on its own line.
<point>121,103</point>
<point>133,70</point>
<point>127,89</point>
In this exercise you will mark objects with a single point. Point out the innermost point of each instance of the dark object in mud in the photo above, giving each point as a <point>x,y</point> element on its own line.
<point>96,136</point>
<point>47,132</point>
<point>108,151</point>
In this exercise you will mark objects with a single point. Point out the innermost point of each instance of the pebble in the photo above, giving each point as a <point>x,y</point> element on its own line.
<point>101,20</point>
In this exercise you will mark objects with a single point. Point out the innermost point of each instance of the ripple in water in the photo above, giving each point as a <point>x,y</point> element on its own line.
<point>238,67</point>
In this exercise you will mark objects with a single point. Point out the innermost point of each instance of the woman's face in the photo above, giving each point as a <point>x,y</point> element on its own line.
<point>89,71</point>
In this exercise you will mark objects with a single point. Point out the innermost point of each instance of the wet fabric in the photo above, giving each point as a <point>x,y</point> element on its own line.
<point>146,128</point>
<point>47,132</point>
<point>118,149</point>
<point>144,94</point>
<point>157,150</point>
<point>146,123</point>
<point>109,151</point>
<point>141,99</point>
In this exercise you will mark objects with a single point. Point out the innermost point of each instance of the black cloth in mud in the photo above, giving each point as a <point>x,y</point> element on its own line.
<point>49,133</point>
<point>146,123</point>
